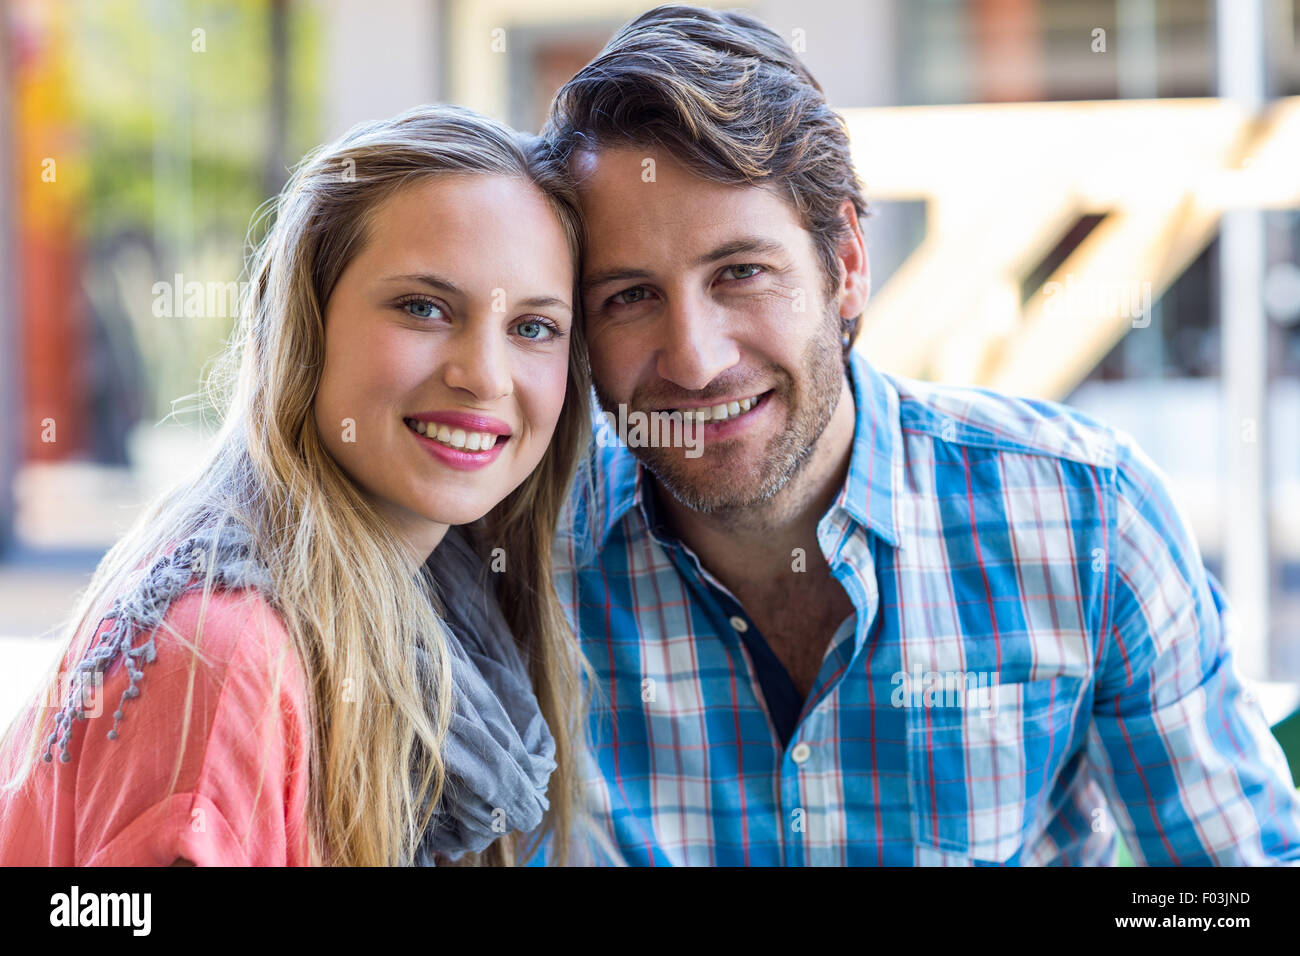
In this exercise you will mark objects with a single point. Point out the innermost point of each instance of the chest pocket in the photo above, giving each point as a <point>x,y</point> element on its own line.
<point>978,774</point>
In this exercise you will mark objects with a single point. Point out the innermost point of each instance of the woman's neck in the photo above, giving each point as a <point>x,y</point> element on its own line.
<point>419,535</point>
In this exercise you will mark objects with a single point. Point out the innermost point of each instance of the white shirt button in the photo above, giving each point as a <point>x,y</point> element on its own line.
<point>801,753</point>
<point>739,624</point>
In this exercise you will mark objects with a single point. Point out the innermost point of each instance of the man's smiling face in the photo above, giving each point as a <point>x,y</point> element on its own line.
<point>700,294</point>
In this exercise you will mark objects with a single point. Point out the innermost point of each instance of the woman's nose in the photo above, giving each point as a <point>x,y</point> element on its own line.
<point>478,361</point>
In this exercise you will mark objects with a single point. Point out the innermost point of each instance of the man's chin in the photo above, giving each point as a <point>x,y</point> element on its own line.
<point>705,487</point>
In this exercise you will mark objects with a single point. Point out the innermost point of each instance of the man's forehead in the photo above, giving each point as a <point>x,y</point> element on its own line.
<point>626,190</point>
<point>598,169</point>
<point>582,164</point>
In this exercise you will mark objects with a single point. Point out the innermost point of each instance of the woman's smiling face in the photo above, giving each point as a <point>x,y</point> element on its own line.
<point>448,334</point>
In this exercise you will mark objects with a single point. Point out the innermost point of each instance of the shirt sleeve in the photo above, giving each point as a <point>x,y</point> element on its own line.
<point>211,759</point>
<point>1189,766</point>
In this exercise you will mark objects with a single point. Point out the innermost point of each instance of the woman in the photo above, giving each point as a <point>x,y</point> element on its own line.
<point>272,679</point>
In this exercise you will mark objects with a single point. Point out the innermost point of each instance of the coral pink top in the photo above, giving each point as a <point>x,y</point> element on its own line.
<point>240,796</point>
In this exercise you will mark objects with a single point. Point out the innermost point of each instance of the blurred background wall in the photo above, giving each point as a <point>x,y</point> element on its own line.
<point>1094,201</point>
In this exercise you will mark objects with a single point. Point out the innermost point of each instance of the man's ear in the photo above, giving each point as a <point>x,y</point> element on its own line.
<point>855,282</point>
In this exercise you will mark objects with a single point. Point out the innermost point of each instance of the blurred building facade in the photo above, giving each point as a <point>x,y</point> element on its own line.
<point>164,152</point>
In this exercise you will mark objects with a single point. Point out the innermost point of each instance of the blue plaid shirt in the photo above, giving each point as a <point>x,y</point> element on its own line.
<point>1039,661</point>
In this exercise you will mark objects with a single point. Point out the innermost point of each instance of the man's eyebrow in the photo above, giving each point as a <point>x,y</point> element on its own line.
<point>612,275</point>
<point>733,247</point>
<point>446,285</point>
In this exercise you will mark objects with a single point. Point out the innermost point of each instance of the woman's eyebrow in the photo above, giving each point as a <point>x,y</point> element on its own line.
<point>446,285</point>
<point>429,279</point>
<point>545,301</point>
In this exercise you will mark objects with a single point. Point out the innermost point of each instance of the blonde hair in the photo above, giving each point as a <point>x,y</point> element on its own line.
<point>341,581</point>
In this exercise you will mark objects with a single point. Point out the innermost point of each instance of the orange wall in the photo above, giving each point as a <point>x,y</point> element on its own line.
<point>53,326</point>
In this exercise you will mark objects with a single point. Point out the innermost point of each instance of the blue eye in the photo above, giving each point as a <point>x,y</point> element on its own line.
<point>422,308</point>
<point>537,330</point>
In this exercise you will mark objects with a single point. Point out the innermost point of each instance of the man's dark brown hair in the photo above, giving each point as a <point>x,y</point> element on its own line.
<point>728,99</point>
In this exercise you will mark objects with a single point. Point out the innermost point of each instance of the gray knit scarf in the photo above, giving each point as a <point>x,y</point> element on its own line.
<point>499,752</point>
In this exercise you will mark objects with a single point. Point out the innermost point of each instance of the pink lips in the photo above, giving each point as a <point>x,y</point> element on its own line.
<point>465,420</point>
<point>455,457</point>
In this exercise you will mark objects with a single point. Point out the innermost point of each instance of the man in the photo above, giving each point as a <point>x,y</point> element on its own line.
<point>868,620</point>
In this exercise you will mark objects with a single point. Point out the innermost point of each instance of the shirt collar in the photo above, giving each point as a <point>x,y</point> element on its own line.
<point>869,492</point>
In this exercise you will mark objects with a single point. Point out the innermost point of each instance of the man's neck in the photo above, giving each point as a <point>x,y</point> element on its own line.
<point>758,542</point>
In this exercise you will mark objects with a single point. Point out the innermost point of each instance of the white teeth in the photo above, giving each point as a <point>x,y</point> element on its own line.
<point>456,438</point>
<point>720,413</point>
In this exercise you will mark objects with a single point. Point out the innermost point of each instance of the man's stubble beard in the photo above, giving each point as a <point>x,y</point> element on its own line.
<point>718,493</point>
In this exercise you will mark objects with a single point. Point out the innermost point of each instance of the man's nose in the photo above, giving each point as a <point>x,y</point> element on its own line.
<point>478,360</point>
<point>696,345</point>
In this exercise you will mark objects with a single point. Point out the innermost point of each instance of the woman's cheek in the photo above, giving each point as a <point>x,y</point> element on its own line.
<point>559,381</point>
<point>544,398</point>
<point>359,389</point>
<point>341,432</point>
